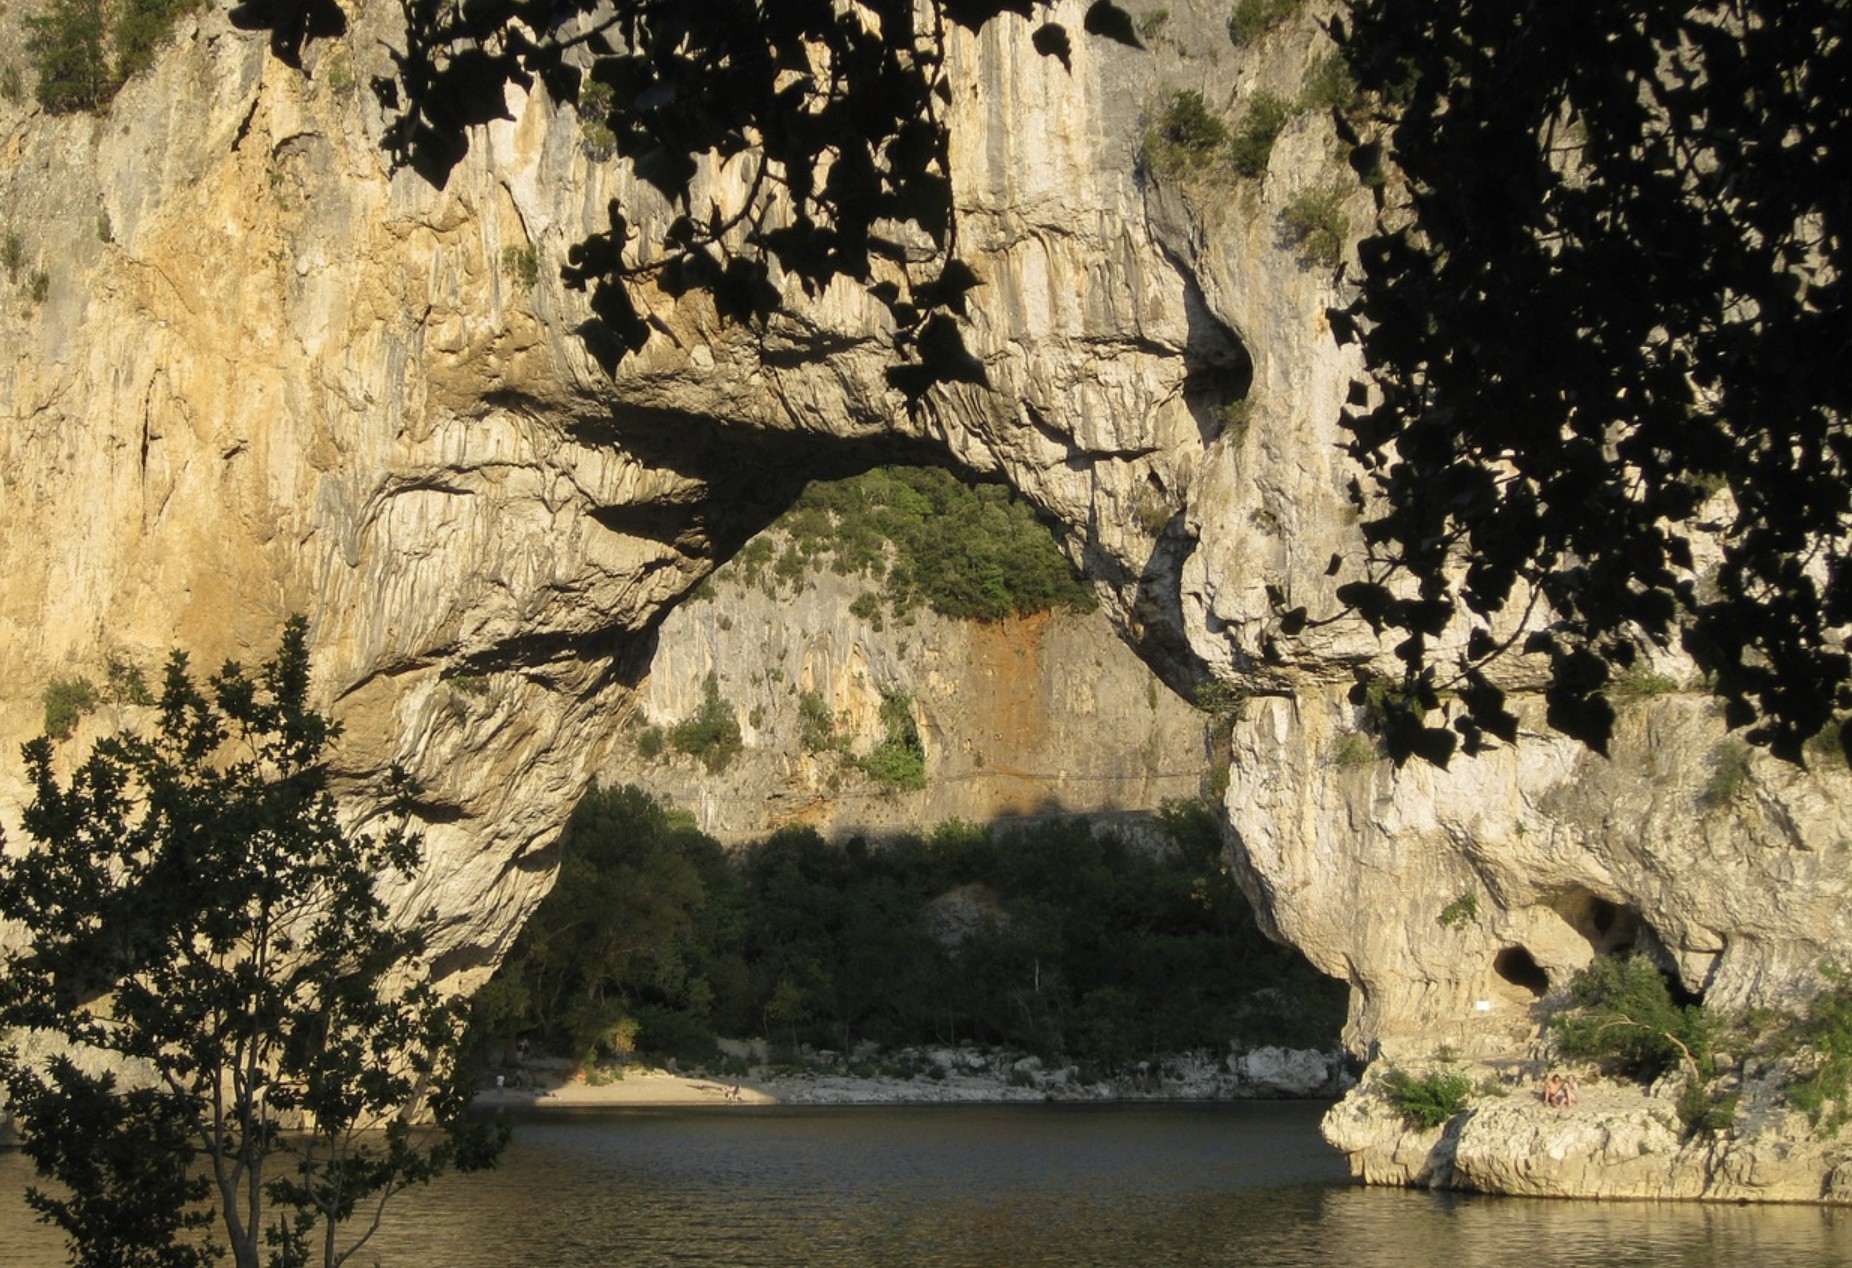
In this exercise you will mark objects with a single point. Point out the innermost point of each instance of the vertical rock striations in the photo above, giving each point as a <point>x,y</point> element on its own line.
<point>266,374</point>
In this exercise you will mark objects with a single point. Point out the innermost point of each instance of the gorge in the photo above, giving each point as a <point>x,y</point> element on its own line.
<point>269,374</point>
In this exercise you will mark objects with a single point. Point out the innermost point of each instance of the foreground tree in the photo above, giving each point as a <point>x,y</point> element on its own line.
<point>231,1013</point>
<point>1605,311</point>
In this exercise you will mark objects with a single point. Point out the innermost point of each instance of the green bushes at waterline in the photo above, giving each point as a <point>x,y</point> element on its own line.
<point>1050,939</point>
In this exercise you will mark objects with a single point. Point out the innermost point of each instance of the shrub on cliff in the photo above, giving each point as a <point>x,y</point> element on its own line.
<point>711,734</point>
<point>1620,1013</point>
<point>66,48</point>
<point>1426,1101</point>
<point>1185,138</point>
<point>84,52</point>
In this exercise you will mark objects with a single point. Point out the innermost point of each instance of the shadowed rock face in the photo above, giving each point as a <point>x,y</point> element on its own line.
<point>272,376</point>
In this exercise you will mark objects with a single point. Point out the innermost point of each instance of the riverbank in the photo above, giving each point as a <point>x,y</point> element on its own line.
<point>1621,1140</point>
<point>927,1076</point>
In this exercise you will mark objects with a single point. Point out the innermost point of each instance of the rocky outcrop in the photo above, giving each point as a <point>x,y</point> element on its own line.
<point>1048,714</point>
<point>267,374</point>
<point>1620,1141</point>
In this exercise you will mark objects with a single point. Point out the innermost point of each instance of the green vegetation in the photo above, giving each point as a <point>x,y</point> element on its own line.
<point>38,286</point>
<point>1251,145</point>
<point>1069,944</point>
<point>66,701</point>
<point>12,88</point>
<point>1186,138</point>
<point>1218,699</point>
<point>1314,225</point>
<point>970,553</point>
<point>1355,748</point>
<point>898,762</point>
<point>12,255</point>
<point>1828,741</point>
<point>197,910</point>
<point>1639,682</point>
<point>84,51</point>
<point>1461,911</point>
<point>712,733</point>
<point>125,681</point>
<point>1620,1014</point>
<point>1427,1101</point>
<point>1329,85</point>
<point>596,139</point>
<point>1825,1091</point>
<point>521,265</point>
<point>1250,20</point>
<point>1556,202</point>
<point>816,724</point>
<point>1149,24</point>
<point>1729,775</point>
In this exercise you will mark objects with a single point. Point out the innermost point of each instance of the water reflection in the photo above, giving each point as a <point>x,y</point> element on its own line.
<point>1000,1185</point>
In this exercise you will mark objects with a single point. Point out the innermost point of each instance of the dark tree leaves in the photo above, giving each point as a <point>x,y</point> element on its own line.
<point>831,114</point>
<point>198,913</point>
<point>1618,321</point>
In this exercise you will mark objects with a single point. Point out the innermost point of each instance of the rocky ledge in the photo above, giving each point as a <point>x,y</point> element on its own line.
<point>1621,1140</point>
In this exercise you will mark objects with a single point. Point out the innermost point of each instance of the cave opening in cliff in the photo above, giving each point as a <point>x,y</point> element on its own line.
<point>1517,966</point>
<point>1609,928</point>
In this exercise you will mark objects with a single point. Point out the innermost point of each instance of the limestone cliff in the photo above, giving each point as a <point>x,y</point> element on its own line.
<point>1045,714</point>
<point>268,374</point>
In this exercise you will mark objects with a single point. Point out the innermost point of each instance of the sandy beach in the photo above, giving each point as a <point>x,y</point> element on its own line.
<point>635,1087</point>
<point>940,1076</point>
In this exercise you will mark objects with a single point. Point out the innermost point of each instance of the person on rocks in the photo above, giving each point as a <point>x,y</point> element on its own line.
<point>1553,1091</point>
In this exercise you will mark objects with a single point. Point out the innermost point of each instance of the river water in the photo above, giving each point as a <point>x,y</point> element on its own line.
<point>993,1187</point>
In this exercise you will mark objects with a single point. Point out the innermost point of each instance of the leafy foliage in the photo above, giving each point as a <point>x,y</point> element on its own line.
<point>1186,138</point>
<point>1620,1013</point>
<point>66,701</point>
<point>816,724</point>
<point>1461,911</point>
<point>1729,775</point>
<point>1825,1091</point>
<point>1075,944</point>
<point>1250,20</point>
<point>1251,145</point>
<point>1314,225</point>
<point>1426,1101</point>
<point>898,762</point>
<point>1624,281</point>
<point>712,733</point>
<point>967,552</point>
<point>832,116</point>
<point>196,909</point>
<point>72,43</point>
<point>66,47</point>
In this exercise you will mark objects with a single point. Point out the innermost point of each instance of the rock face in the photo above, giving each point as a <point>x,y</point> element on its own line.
<point>1619,1142</point>
<point>1049,714</point>
<point>268,375</point>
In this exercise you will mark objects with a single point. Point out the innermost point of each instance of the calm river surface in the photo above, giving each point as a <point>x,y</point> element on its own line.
<point>995,1186</point>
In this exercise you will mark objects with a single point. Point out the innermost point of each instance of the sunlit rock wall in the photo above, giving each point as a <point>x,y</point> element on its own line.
<point>269,375</point>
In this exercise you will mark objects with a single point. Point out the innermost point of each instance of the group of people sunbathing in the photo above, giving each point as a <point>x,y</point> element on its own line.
<point>1559,1091</point>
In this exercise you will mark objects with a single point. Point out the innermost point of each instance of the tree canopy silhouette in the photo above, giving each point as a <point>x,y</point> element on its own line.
<point>831,114</point>
<point>1604,311</point>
